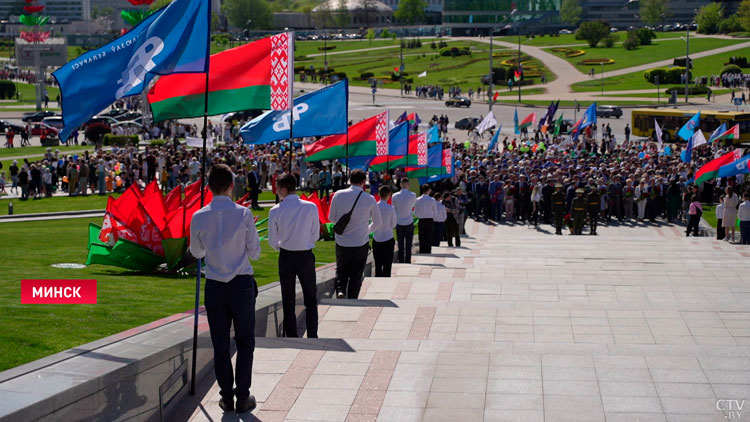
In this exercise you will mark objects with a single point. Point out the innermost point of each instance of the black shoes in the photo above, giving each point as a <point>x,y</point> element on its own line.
<point>226,404</point>
<point>246,405</point>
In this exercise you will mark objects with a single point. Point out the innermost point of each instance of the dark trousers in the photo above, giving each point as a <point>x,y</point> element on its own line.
<point>382,253</point>
<point>350,269</point>
<point>294,264</point>
<point>745,232</point>
<point>693,220</point>
<point>438,232</point>
<point>720,232</point>
<point>405,236</point>
<point>451,231</point>
<point>593,218</point>
<point>232,304</point>
<point>426,231</point>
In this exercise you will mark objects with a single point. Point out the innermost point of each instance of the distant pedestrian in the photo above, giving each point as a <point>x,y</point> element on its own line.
<point>403,202</point>
<point>425,209</point>
<point>694,216</point>
<point>382,239</point>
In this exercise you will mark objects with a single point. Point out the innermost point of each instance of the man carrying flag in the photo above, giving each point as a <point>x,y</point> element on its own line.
<point>175,39</point>
<point>488,122</point>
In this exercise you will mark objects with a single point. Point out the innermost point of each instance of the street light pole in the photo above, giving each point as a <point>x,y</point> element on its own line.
<point>519,68</point>
<point>489,92</point>
<point>687,62</point>
<point>401,68</point>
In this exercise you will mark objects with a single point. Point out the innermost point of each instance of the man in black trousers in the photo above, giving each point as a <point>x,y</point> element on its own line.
<point>382,239</point>
<point>293,229</point>
<point>253,184</point>
<point>426,210</point>
<point>224,234</point>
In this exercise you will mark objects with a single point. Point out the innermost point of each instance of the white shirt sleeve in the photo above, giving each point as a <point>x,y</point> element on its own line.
<point>252,241</point>
<point>273,230</point>
<point>375,216</point>
<point>333,213</point>
<point>197,249</point>
<point>314,225</point>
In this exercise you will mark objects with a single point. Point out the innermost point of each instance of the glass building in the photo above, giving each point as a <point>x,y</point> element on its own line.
<point>480,16</point>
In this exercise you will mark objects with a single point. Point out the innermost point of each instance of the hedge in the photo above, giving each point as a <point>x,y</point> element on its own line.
<point>7,90</point>
<point>594,62</point>
<point>730,68</point>
<point>695,90</point>
<point>326,48</point>
<point>739,61</point>
<point>157,143</point>
<point>666,75</point>
<point>365,76</point>
<point>455,51</point>
<point>120,140</point>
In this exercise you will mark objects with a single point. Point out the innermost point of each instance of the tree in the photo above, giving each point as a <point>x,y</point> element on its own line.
<point>570,12</point>
<point>240,12</point>
<point>632,41</point>
<point>97,11</point>
<point>743,13</point>
<point>343,20</point>
<point>323,15</point>
<point>370,35</point>
<point>653,11</point>
<point>709,17</point>
<point>410,12</point>
<point>158,4</point>
<point>593,32</point>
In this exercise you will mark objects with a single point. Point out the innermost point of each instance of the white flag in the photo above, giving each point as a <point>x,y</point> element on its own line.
<point>488,122</point>
<point>422,75</point>
<point>198,142</point>
<point>658,133</point>
<point>698,138</point>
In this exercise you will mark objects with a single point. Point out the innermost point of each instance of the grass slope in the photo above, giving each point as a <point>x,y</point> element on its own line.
<point>126,299</point>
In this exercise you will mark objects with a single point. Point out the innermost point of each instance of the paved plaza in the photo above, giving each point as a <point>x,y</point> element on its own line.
<point>636,324</point>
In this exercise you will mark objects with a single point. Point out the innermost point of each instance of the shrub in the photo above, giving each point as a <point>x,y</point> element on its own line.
<point>365,76</point>
<point>433,45</point>
<point>730,24</point>
<point>120,140</point>
<point>632,41</point>
<point>338,76</point>
<point>7,90</point>
<point>739,61</point>
<point>594,62</point>
<point>326,48</point>
<point>442,44</point>
<point>666,75</point>
<point>730,68</point>
<point>610,40</point>
<point>592,32</point>
<point>696,90</point>
<point>157,143</point>
<point>645,35</point>
<point>455,51</point>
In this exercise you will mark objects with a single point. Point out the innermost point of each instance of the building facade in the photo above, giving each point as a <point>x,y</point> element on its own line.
<point>58,10</point>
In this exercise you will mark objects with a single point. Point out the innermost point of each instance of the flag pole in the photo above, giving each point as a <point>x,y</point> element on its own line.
<point>198,265</point>
<point>291,138</point>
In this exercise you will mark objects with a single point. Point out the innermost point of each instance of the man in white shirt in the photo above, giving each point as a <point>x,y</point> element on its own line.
<point>382,239</point>
<point>352,245</point>
<point>293,229</point>
<point>224,234</point>
<point>403,202</point>
<point>439,221</point>
<point>425,208</point>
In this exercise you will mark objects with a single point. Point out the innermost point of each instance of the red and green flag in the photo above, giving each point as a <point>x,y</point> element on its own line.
<point>517,75</point>
<point>733,134</point>
<point>366,138</point>
<point>710,170</point>
<point>432,167</point>
<point>257,75</point>
<point>528,121</point>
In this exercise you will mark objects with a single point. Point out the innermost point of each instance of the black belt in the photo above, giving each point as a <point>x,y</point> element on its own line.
<point>294,252</point>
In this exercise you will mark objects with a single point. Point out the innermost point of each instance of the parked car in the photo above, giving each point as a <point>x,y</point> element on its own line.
<point>36,129</point>
<point>467,123</point>
<point>106,120</point>
<point>37,116</point>
<point>114,112</point>
<point>130,115</point>
<point>458,102</point>
<point>5,125</point>
<point>565,31</point>
<point>245,115</point>
<point>54,121</point>
<point>613,29</point>
<point>608,111</point>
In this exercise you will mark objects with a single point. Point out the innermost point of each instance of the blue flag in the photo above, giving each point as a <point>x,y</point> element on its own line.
<point>433,135</point>
<point>400,119</point>
<point>589,117</point>
<point>688,130</point>
<point>687,154</point>
<point>494,139</point>
<point>718,132</point>
<point>516,130</point>
<point>319,113</point>
<point>398,139</point>
<point>735,168</point>
<point>175,39</point>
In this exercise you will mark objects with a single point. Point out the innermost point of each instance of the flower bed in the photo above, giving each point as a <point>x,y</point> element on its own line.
<point>594,62</point>
<point>569,52</point>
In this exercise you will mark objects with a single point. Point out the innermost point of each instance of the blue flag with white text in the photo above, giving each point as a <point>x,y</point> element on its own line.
<point>175,39</point>
<point>433,135</point>
<point>687,131</point>
<point>318,113</point>
<point>734,168</point>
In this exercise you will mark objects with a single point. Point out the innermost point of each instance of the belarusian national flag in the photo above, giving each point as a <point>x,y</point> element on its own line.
<point>366,138</point>
<point>732,134</point>
<point>528,121</point>
<point>257,75</point>
<point>432,167</point>
<point>517,75</point>
<point>711,169</point>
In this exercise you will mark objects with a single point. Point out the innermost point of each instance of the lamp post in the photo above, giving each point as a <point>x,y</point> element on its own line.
<point>520,68</point>
<point>687,60</point>
<point>401,55</point>
<point>491,75</point>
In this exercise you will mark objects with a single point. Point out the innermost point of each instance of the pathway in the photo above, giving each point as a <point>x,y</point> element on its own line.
<point>639,323</point>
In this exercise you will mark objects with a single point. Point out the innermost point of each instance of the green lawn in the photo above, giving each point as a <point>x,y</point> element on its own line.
<point>570,39</point>
<point>665,95</point>
<point>571,103</point>
<point>18,151</point>
<point>702,66</point>
<point>55,204</point>
<point>462,71</point>
<point>27,93</point>
<point>655,52</point>
<point>126,299</point>
<point>525,91</point>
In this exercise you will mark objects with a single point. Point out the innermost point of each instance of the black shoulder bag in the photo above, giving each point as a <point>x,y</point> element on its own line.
<point>340,225</point>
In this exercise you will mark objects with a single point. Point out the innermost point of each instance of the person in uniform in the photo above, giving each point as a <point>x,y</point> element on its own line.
<point>558,206</point>
<point>579,212</point>
<point>593,204</point>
